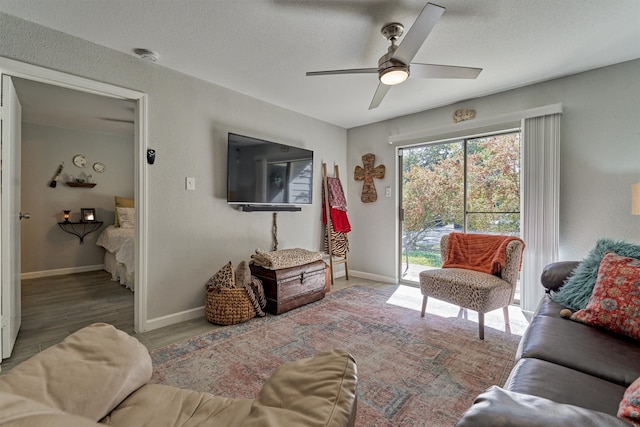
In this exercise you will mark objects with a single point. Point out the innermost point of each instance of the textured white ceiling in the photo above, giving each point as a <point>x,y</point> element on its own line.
<point>263,48</point>
<point>60,107</point>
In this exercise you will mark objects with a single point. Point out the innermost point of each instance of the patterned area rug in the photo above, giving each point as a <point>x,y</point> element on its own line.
<point>412,371</point>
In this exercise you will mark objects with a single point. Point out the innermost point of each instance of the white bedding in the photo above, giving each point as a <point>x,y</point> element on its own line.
<point>119,243</point>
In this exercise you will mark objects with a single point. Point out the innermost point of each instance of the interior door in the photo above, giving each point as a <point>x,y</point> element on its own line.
<point>10,298</point>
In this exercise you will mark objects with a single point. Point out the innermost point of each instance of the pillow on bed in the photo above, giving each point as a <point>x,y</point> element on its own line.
<point>126,217</point>
<point>122,202</point>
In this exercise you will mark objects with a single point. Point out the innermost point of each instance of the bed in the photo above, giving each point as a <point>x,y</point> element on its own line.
<point>119,256</point>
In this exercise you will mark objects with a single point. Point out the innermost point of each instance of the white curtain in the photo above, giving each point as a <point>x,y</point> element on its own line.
<point>540,203</point>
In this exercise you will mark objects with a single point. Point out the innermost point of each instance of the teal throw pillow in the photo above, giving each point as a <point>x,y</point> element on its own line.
<point>577,290</point>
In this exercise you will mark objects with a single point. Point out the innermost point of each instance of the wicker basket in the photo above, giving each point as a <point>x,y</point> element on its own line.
<point>228,306</point>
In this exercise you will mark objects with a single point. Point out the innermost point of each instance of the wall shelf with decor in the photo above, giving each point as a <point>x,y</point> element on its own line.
<point>82,184</point>
<point>80,229</point>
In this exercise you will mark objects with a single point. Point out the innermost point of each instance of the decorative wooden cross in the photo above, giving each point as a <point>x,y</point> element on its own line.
<point>367,174</point>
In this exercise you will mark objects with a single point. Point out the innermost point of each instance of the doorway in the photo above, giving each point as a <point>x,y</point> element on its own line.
<point>55,78</point>
<point>469,185</point>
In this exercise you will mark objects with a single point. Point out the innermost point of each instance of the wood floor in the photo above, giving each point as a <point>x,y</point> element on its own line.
<point>54,307</point>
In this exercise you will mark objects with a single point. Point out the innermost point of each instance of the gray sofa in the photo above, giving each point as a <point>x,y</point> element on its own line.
<point>566,374</point>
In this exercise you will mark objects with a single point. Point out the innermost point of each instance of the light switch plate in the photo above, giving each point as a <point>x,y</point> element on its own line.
<point>190,183</point>
<point>387,191</point>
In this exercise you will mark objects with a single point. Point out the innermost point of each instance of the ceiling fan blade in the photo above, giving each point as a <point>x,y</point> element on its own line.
<point>433,71</point>
<point>379,95</point>
<point>418,33</point>
<point>349,71</point>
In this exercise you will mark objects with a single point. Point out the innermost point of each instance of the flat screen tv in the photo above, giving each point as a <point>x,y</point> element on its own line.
<point>268,173</point>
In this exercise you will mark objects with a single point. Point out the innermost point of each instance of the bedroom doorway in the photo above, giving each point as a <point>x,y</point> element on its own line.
<point>139,100</point>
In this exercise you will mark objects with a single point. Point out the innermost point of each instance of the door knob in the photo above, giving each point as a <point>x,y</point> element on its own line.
<point>25,215</point>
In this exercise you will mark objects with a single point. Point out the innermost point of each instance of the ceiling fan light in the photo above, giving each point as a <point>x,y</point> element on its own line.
<point>394,76</point>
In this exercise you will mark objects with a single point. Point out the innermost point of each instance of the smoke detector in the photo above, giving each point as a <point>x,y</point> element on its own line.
<point>147,54</point>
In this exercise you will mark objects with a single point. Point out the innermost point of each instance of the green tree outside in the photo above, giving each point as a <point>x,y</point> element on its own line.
<point>433,191</point>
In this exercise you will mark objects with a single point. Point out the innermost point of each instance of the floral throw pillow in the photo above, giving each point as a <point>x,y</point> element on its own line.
<point>224,278</point>
<point>629,409</point>
<point>615,302</point>
<point>577,290</point>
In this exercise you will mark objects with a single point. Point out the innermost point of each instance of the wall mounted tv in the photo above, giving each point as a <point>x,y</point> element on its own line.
<point>265,175</point>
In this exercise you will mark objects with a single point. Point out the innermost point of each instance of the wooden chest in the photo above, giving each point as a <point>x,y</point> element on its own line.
<point>288,288</point>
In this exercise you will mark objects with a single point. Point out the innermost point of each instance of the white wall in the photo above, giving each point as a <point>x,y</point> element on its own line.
<point>600,159</point>
<point>191,233</point>
<point>45,246</point>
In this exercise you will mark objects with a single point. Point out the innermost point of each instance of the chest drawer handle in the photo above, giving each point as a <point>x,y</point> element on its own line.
<point>302,277</point>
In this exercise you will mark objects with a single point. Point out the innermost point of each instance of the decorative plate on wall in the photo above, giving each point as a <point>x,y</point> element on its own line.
<point>80,160</point>
<point>99,167</point>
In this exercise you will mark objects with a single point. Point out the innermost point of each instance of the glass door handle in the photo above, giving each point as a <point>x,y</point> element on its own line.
<point>25,215</point>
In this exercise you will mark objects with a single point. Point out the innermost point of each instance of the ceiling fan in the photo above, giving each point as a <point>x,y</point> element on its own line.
<point>394,67</point>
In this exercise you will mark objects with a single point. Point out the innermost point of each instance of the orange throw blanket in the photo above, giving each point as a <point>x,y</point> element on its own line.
<point>480,252</point>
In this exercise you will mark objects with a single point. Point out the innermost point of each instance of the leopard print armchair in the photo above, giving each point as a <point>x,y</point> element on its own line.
<point>474,290</point>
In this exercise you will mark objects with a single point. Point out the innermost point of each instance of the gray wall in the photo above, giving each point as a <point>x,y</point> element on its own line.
<point>45,246</point>
<point>600,159</point>
<point>191,234</point>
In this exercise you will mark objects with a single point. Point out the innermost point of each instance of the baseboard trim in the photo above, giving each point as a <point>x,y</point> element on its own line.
<point>338,274</point>
<point>61,271</point>
<point>376,277</point>
<point>172,319</point>
<point>183,316</point>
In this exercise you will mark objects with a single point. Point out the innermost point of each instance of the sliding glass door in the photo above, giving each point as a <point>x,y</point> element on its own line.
<point>469,185</point>
<point>432,197</point>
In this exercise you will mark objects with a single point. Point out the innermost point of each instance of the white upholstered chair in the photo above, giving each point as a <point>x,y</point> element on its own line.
<point>471,289</point>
